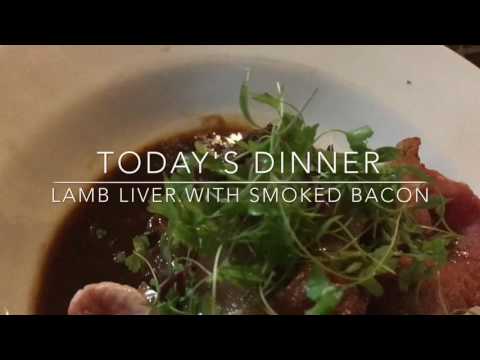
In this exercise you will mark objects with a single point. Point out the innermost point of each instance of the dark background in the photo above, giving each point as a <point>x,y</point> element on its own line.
<point>471,52</point>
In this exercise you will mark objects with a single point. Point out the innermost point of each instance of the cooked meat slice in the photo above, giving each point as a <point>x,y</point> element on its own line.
<point>463,207</point>
<point>108,298</point>
<point>458,286</point>
<point>455,290</point>
<point>409,151</point>
<point>234,300</point>
<point>293,299</point>
<point>354,302</point>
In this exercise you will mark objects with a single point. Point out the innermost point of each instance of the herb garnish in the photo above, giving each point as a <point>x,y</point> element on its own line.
<point>257,248</point>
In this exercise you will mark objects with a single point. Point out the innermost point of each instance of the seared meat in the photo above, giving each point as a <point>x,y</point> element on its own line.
<point>456,288</point>
<point>293,300</point>
<point>409,151</point>
<point>108,298</point>
<point>463,208</point>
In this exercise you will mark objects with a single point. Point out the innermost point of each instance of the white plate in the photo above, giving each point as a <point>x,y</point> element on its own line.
<point>59,105</point>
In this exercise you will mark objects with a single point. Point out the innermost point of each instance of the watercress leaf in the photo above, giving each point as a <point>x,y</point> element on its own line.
<point>134,263</point>
<point>244,106</point>
<point>273,241</point>
<point>270,100</point>
<point>412,275</point>
<point>353,267</point>
<point>409,170</point>
<point>437,249</point>
<point>388,153</point>
<point>386,262</point>
<point>260,209</point>
<point>241,275</point>
<point>373,287</point>
<point>141,244</point>
<point>357,139</point>
<point>323,293</point>
<point>164,208</point>
<point>325,227</point>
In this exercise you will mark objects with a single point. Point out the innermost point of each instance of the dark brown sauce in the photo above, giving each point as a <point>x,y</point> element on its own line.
<point>82,251</point>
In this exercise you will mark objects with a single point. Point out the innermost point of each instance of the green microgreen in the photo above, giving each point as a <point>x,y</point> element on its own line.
<point>257,246</point>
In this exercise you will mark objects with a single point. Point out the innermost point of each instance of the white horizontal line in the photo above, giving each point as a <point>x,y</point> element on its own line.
<point>235,182</point>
